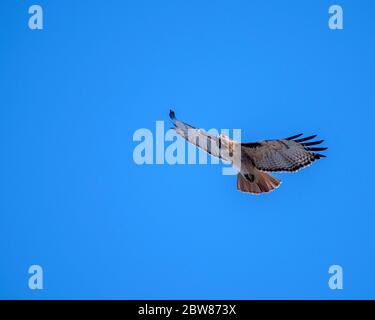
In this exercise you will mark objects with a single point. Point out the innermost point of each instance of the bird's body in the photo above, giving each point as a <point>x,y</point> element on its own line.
<point>255,159</point>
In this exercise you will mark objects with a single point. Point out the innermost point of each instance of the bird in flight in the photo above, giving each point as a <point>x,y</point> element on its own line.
<point>254,160</point>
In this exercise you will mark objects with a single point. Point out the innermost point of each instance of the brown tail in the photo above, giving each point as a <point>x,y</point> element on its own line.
<point>257,183</point>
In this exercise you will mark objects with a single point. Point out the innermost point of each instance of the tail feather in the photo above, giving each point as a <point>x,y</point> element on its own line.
<point>260,182</point>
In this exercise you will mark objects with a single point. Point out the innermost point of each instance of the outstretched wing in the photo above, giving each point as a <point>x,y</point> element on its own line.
<point>212,144</point>
<point>289,154</point>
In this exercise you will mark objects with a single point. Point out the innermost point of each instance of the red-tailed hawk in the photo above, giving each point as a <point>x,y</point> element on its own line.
<point>254,159</point>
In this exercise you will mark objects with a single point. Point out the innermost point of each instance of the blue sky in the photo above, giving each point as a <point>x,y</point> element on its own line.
<point>73,201</point>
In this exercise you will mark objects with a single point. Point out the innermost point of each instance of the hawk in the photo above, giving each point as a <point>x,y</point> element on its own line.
<point>254,160</point>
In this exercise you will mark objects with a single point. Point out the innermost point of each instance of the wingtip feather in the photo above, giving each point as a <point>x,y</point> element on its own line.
<point>172,115</point>
<point>294,137</point>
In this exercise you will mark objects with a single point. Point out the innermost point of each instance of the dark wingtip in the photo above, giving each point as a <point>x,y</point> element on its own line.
<point>313,143</point>
<point>318,156</point>
<point>294,137</point>
<point>316,149</point>
<point>305,139</point>
<point>172,115</point>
